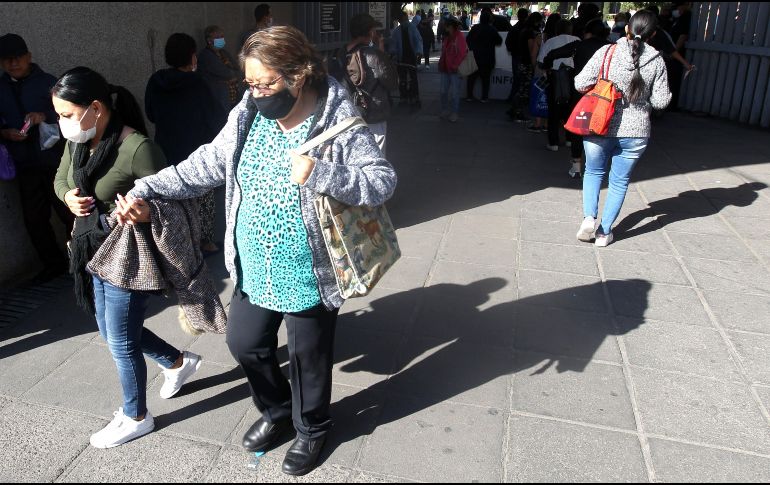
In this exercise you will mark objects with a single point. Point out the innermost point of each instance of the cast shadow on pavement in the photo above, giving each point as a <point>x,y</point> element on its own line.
<point>443,355</point>
<point>669,211</point>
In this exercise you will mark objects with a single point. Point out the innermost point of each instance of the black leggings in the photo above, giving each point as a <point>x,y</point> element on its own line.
<point>558,113</point>
<point>252,337</point>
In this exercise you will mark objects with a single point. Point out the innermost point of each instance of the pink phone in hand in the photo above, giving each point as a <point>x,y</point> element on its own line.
<point>24,128</point>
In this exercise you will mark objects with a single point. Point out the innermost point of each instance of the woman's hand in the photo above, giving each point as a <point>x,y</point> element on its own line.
<point>80,206</point>
<point>301,168</point>
<point>131,211</point>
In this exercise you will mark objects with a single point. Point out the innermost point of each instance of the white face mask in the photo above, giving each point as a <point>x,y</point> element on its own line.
<point>70,129</point>
<point>676,14</point>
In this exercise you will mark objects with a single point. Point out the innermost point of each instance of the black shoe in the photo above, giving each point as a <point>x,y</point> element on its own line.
<point>302,456</point>
<point>262,434</point>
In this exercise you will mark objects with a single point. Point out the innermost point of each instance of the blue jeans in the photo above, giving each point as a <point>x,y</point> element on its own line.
<point>120,316</point>
<point>451,83</point>
<point>624,152</point>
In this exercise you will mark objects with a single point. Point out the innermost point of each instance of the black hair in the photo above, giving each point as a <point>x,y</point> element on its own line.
<point>550,25</point>
<point>641,28</point>
<point>654,9</point>
<point>82,86</point>
<point>262,11</point>
<point>403,17</point>
<point>588,10</point>
<point>597,29</point>
<point>564,27</point>
<point>452,22</point>
<point>534,19</point>
<point>180,49</point>
<point>361,24</point>
<point>522,14</point>
<point>486,15</point>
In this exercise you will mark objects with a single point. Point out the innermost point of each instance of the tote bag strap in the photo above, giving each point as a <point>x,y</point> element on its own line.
<point>334,131</point>
<point>604,70</point>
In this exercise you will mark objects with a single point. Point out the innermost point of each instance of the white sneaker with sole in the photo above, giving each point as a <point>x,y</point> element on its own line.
<point>574,171</point>
<point>586,229</point>
<point>122,429</point>
<point>603,240</point>
<point>553,148</point>
<point>175,378</point>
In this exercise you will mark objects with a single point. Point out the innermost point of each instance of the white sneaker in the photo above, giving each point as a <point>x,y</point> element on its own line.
<point>568,144</point>
<point>603,240</point>
<point>586,229</point>
<point>453,117</point>
<point>575,170</point>
<point>122,429</point>
<point>553,148</point>
<point>175,378</point>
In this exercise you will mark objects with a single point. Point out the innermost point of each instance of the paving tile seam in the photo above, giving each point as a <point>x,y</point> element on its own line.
<point>569,357</point>
<point>628,378</point>
<point>501,266</point>
<point>582,424</point>
<point>749,332</point>
<point>69,467</point>
<point>506,453</point>
<point>740,382</point>
<point>708,445</point>
<point>396,394</point>
<point>61,364</point>
<point>736,357</point>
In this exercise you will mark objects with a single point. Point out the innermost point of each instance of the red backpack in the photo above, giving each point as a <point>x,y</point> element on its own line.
<point>593,113</point>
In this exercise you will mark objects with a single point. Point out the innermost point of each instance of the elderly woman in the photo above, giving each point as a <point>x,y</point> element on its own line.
<point>219,69</point>
<point>275,251</point>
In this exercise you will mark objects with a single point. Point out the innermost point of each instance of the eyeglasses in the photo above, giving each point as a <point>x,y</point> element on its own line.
<point>262,86</point>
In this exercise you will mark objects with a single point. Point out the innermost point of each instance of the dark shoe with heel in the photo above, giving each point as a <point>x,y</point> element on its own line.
<point>263,434</point>
<point>302,457</point>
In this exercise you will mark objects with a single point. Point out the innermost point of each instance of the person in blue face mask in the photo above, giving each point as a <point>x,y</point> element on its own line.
<point>219,69</point>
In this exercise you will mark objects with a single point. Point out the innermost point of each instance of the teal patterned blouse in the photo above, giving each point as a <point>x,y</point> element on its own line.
<point>276,263</point>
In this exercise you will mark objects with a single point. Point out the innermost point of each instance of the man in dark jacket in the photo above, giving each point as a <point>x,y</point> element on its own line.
<point>482,40</point>
<point>370,82</point>
<point>512,44</point>
<point>186,115</point>
<point>25,99</point>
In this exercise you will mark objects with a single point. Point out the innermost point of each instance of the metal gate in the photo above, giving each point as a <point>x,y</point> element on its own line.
<point>730,45</point>
<point>307,18</point>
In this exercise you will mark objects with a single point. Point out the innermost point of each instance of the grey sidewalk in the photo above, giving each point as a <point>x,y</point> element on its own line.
<point>498,349</point>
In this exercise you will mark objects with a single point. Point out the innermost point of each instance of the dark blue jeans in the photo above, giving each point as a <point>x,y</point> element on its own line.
<point>120,316</point>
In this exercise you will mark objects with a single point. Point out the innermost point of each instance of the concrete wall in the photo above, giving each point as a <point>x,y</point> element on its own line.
<point>123,41</point>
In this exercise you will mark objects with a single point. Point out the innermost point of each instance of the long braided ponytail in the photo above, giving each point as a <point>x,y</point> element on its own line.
<point>640,29</point>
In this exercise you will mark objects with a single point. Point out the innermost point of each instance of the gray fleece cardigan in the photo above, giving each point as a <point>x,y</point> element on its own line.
<point>351,168</point>
<point>630,120</point>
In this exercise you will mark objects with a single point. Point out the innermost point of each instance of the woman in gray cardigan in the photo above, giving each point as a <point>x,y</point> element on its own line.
<point>274,248</point>
<point>639,72</point>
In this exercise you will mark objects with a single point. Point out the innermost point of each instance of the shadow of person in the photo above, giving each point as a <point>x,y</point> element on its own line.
<point>669,210</point>
<point>466,337</point>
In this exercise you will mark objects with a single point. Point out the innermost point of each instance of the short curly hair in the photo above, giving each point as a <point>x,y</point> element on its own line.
<point>286,50</point>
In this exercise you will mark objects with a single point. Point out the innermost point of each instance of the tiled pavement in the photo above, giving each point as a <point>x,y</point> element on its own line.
<point>498,349</point>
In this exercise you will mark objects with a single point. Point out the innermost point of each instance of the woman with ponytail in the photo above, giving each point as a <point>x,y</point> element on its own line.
<point>107,150</point>
<point>639,73</point>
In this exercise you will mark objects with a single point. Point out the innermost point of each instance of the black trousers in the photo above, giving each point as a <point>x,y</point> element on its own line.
<point>252,337</point>
<point>485,73</point>
<point>37,200</point>
<point>558,113</point>
<point>408,87</point>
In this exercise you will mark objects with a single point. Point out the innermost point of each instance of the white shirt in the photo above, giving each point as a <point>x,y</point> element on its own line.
<point>554,43</point>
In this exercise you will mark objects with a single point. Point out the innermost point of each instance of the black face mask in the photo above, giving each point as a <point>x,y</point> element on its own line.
<point>275,107</point>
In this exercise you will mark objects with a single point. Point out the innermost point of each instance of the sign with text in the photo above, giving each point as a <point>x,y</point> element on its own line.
<point>331,17</point>
<point>378,10</point>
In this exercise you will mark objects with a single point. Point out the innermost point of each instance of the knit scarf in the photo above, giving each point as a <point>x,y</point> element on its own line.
<point>88,234</point>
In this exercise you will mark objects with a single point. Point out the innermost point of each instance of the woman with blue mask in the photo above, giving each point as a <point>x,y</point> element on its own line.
<point>274,247</point>
<point>219,69</point>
